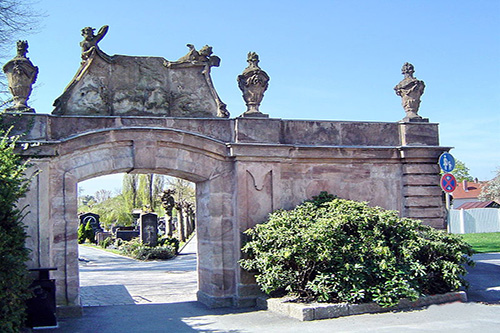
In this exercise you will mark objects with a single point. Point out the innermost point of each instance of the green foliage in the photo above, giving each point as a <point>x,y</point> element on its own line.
<point>483,242</point>
<point>461,172</point>
<point>14,282</point>
<point>137,250</point>
<point>171,241</point>
<point>335,250</point>
<point>105,243</point>
<point>81,234</point>
<point>114,210</point>
<point>89,233</point>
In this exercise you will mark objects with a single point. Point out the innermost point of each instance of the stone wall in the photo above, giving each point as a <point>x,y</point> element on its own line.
<point>243,168</point>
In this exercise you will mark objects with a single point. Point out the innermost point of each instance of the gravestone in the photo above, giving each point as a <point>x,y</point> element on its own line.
<point>126,235</point>
<point>149,229</point>
<point>93,219</point>
<point>102,236</point>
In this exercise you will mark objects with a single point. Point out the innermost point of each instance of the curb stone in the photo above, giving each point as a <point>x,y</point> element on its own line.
<point>317,311</point>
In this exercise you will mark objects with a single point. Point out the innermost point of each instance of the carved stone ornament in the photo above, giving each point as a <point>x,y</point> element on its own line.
<point>410,89</point>
<point>204,58</point>
<point>253,82</point>
<point>21,74</point>
<point>90,40</point>
<point>122,85</point>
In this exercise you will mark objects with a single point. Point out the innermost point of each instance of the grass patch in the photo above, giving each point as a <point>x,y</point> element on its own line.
<point>484,242</point>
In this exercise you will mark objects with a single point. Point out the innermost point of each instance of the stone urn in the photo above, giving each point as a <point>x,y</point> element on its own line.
<point>21,75</point>
<point>410,89</point>
<point>253,82</point>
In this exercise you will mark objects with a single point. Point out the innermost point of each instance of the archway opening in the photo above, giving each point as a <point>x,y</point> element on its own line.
<point>128,226</point>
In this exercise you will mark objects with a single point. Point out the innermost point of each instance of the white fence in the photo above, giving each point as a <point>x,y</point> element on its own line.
<point>469,221</point>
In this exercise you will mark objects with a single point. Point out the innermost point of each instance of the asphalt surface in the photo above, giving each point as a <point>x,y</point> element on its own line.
<point>160,297</point>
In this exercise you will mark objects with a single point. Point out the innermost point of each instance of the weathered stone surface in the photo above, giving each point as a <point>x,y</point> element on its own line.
<point>430,169</point>
<point>258,130</point>
<point>414,134</point>
<point>253,82</point>
<point>243,170</point>
<point>128,85</point>
<point>418,190</point>
<point>410,89</point>
<point>318,311</point>
<point>415,180</point>
<point>21,75</point>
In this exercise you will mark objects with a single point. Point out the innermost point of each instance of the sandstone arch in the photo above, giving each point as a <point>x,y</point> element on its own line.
<point>243,168</point>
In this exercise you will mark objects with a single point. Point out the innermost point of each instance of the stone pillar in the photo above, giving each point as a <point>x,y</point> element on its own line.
<point>64,245</point>
<point>257,196</point>
<point>218,249</point>
<point>422,194</point>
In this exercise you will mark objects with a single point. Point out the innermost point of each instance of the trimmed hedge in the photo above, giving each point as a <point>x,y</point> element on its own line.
<point>334,250</point>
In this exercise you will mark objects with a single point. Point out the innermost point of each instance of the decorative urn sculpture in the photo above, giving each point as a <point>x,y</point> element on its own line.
<point>21,74</point>
<point>410,89</point>
<point>253,82</point>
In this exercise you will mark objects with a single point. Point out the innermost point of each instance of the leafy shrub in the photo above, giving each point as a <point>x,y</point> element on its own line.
<point>335,250</point>
<point>129,247</point>
<point>135,249</point>
<point>14,283</point>
<point>171,241</point>
<point>89,233</point>
<point>106,242</point>
<point>152,253</point>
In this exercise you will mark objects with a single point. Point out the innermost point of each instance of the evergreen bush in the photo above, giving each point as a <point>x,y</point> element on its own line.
<point>89,233</point>
<point>14,282</point>
<point>334,250</point>
<point>171,241</point>
<point>81,234</point>
<point>135,249</point>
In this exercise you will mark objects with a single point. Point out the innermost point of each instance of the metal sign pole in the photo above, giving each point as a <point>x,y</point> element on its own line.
<point>447,197</point>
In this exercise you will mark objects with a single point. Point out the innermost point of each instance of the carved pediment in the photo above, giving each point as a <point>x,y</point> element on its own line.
<point>141,86</point>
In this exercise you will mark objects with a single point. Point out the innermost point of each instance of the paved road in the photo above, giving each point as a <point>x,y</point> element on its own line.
<point>185,315</point>
<point>485,279</point>
<point>110,279</point>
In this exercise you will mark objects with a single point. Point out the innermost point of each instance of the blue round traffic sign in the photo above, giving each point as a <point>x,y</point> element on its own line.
<point>448,182</point>
<point>447,162</point>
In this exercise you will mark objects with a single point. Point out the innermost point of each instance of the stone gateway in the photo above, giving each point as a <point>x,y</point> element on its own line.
<point>243,168</point>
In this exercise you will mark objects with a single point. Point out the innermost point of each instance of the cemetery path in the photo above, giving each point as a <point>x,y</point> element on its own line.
<point>110,279</point>
<point>188,316</point>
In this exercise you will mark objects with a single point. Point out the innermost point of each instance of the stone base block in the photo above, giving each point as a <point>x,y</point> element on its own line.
<point>213,301</point>
<point>70,311</point>
<point>317,311</point>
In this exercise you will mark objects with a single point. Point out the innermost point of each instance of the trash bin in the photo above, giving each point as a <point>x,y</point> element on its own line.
<point>41,308</point>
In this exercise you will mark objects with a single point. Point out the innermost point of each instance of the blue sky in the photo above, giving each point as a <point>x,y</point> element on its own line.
<point>328,60</point>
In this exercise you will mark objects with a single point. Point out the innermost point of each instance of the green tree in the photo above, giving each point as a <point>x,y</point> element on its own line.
<point>130,189</point>
<point>184,190</point>
<point>14,282</point>
<point>145,191</point>
<point>150,187</point>
<point>461,172</point>
<point>491,190</point>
